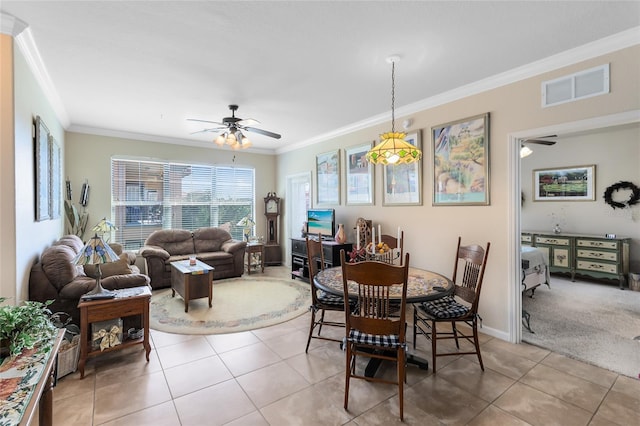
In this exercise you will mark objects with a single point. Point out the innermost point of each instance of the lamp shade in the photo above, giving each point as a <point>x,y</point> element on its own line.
<point>246,222</point>
<point>104,226</point>
<point>393,149</point>
<point>95,252</point>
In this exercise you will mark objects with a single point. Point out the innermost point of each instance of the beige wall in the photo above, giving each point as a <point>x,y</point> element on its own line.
<point>433,230</point>
<point>31,237</point>
<point>7,175</point>
<point>89,156</point>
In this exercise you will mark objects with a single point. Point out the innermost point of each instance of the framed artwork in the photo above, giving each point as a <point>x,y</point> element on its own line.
<point>42,171</point>
<point>359,175</point>
<point>403,182</point>
<point>461,162</point>
<point>576,183</point>
<point>55,192</point>
<point>328,178</point>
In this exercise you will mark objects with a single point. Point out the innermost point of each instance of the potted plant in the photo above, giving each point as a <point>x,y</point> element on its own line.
<point>24,326</point>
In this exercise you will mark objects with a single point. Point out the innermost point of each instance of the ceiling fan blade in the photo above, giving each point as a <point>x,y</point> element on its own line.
<point>262,132</point>
<point>213,129</point>
<point>206,121</point>
<point>540,142</point>
<point>248,122</point>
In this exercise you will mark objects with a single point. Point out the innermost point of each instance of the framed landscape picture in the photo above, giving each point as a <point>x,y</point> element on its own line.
<point>359,175</point>
<point>43,167</point>
<point>328,178</point>
<point>402,183</point>
<point>56,179</point>
<point>576,183</point>
<point>461,162</point>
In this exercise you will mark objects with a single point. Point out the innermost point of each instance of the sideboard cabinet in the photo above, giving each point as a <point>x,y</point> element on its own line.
<point>589,255</point>
<point>300,260</point>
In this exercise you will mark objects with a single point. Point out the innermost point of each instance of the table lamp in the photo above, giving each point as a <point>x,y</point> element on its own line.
<point>246,223</point>
<point>104,227</point>
<point>96,252</point>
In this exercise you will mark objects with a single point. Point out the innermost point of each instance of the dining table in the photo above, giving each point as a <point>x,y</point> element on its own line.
<point>422,286</point>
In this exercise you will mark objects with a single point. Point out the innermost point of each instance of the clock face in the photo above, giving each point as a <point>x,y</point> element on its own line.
<point>272,206</point>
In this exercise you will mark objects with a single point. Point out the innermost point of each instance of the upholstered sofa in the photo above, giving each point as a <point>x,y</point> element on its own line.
<point>55,278</point>
<point>213,246</point>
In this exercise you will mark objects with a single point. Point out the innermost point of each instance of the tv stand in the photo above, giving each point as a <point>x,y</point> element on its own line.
<point>300,261</point>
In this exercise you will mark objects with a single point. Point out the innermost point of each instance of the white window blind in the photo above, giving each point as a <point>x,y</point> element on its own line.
<point>150,195</point>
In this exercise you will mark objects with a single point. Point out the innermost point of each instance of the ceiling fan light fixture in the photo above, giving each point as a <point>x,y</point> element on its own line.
<point>231,139</point>
<point>525,151</point>
<point>393,149</point>
<point>221,139</point>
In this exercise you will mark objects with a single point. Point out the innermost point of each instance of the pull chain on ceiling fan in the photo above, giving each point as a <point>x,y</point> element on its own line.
<point>230,131</point>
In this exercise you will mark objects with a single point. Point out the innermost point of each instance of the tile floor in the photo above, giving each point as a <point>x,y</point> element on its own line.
<point>264,377</point>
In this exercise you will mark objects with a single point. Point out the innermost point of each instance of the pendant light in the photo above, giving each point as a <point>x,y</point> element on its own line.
<point>393,149</point>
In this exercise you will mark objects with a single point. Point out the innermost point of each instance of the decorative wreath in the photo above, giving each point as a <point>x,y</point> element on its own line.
<point>633,198</point>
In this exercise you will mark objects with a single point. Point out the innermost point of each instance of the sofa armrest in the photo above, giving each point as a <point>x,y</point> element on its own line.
<point>232,246</point>
<point>150,251</point>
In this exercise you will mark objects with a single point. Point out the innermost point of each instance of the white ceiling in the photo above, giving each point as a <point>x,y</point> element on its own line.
<point>302,68</point>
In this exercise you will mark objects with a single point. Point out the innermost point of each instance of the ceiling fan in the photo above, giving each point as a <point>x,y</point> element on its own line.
<point>526,151</point>
<point>231,128</point>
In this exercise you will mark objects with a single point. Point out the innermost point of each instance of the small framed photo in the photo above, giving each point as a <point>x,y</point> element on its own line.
<point>359,175</point>
<point>461,162</point>
<point>575,183</point>
<point>328,178</point>
<point>403,182</point>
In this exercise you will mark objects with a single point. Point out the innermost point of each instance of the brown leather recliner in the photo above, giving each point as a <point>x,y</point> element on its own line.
<point>55,278</point>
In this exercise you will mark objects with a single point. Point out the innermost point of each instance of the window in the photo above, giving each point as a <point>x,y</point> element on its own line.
<point>151,195</point>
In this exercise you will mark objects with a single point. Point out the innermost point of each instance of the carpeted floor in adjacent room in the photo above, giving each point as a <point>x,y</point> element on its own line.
<point>589,321</point>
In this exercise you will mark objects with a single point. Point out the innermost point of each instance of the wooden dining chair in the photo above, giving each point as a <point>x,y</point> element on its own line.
<point>461,307</point>
<point>321,301</point>
<point>394,255</point>
<point>376,329</point>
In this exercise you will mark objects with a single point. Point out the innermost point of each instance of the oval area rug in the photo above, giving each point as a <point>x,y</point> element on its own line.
<point>239,304</point>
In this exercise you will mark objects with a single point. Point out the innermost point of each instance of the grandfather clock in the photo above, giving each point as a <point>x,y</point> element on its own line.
<point>272,253</point>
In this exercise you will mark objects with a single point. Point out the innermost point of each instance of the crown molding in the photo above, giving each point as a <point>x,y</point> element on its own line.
<point>585,52</point>
<point>10,25</point>
<point>28,47</point>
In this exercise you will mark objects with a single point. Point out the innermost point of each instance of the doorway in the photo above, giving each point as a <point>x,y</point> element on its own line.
<point>515,191</point>
<point>299,201</point>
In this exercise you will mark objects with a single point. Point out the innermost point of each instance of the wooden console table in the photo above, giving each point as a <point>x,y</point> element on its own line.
<point>128,302</point>
<point>28,381</point>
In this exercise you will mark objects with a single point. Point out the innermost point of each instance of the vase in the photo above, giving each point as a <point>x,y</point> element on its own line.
<point>556,229</point>
<point>340,237</point>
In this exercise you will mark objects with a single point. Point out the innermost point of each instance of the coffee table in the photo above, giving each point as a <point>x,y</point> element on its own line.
<point>191,281</point>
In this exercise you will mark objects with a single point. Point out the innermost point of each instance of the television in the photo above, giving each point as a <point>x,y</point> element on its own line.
<point>321,221</point>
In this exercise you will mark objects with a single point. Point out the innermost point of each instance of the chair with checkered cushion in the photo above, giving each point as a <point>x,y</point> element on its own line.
<point>321,301</point>
<point>377,328</point>
<point>462,306</point>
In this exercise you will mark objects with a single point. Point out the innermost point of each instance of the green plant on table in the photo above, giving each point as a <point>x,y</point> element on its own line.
<point>24,326</point>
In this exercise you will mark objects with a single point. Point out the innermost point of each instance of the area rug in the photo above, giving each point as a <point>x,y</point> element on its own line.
<point>239,304</point>
<point>592,322</point>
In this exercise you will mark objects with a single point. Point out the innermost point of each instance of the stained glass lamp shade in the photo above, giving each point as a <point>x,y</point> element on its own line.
<point>96,252</point>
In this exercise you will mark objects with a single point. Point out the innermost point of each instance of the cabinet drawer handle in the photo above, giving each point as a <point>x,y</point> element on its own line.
<point>596,266</point>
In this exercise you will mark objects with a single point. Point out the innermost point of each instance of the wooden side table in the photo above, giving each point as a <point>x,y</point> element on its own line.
<point>191,281</point>
<point>128,302</point>
<point>255,248</point>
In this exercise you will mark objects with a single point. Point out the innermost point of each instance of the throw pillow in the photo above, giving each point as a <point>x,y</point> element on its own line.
<point>121,267</point>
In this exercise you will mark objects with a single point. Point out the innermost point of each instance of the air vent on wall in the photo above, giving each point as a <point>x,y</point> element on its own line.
<point>580,85</point>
